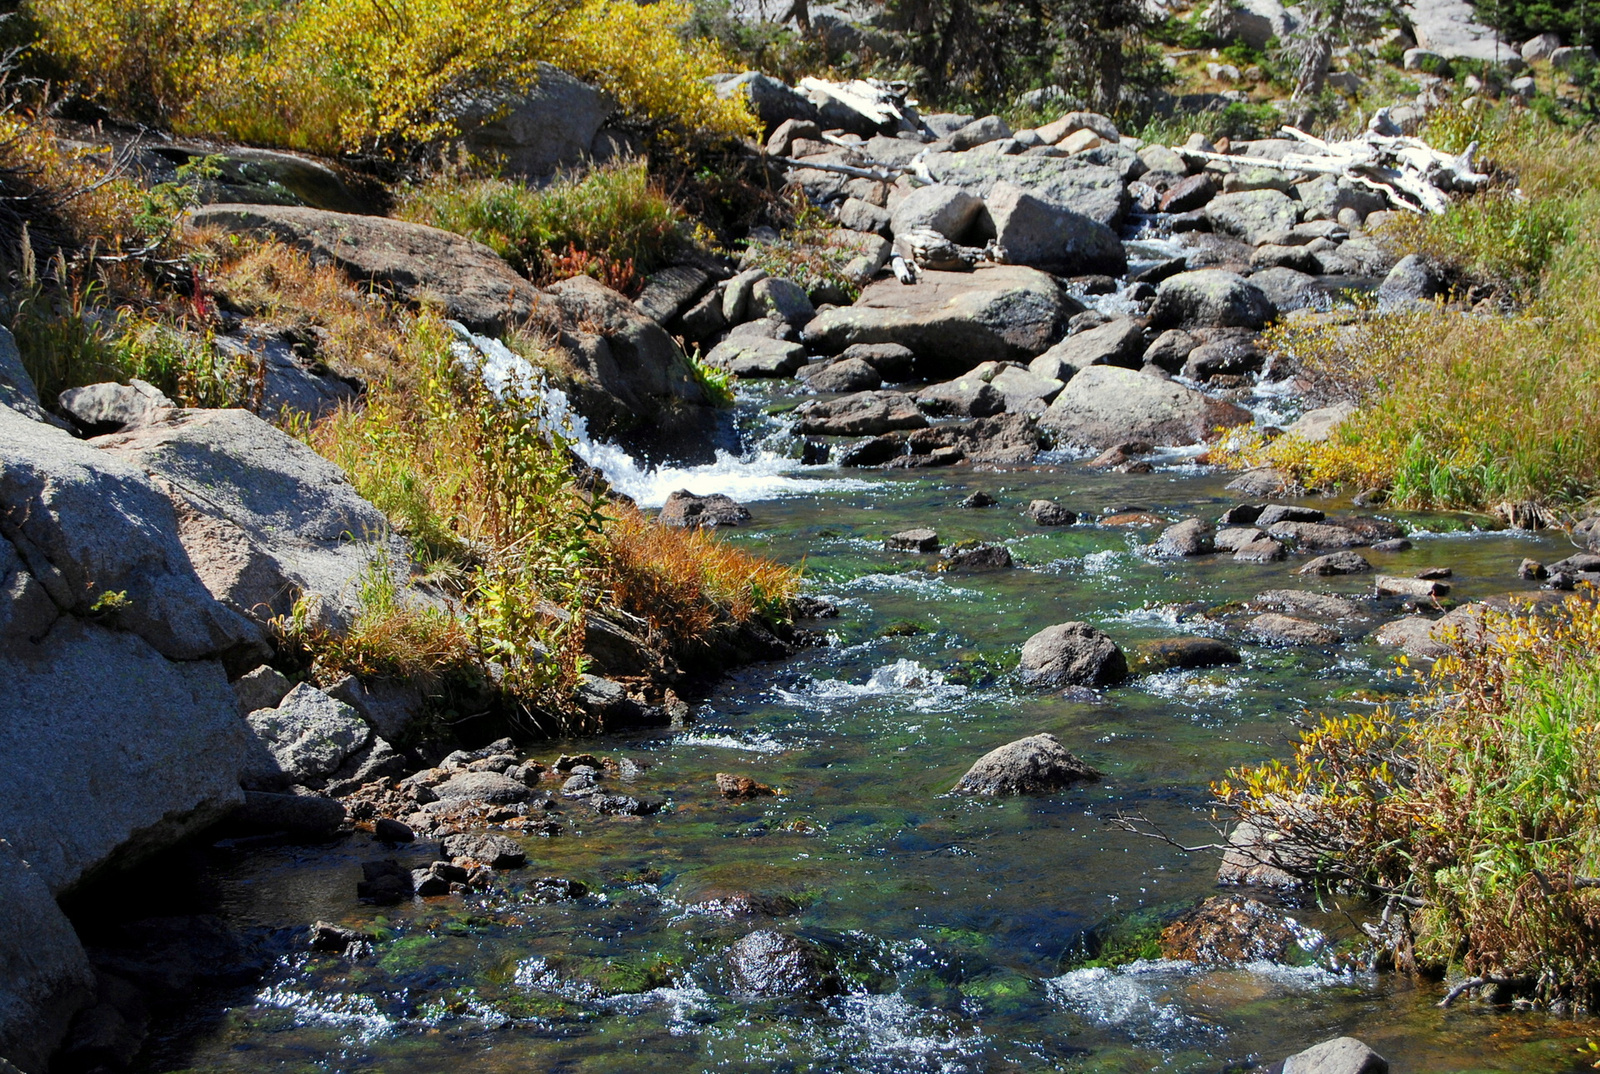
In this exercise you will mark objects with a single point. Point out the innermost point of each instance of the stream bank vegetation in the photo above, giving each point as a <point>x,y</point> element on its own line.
<point>1488,398</point>
<point>1470,814</point>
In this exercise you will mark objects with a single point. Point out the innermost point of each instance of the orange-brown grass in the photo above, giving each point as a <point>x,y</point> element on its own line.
<point>685,582</point>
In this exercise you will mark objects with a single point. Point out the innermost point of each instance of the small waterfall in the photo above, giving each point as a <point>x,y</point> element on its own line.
<point>757,475</point>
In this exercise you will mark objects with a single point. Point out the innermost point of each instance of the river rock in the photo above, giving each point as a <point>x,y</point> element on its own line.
<point>1039,764</point>
<point>1186,652</point>
<point>1259,548</point>
<point>1276,629</point>
<point>1105,405</point>
<point>1315,426</point>
<point>266,521</point>
<point>1252,214</point>
<point>1414,635</point>
<point>685,510</point>
<point>892,360</point>
<point>1305,602</point>
<point>1170,350</point>
<point>1046,513</point>
<point>1191,537</point>
<point>842,375</point>
<point>1072,654</point>
<point>755,357</point>
<point>1077,183</point>
<point>782,299</point>
<point>861,414</point>
<point>415,262</point>
<point>1288,289</point>
<point>1342,1055</point>
<point>1337,563</point>
<point>1386,585</point>
<point>917,540</point>
<point>1119,342</point>
<point>47,974</point>
<point>1274,513</point>
<point>1032,231</point>
<point>487,848</point>
<point>1317,535</point>
<point>302,741</point>
<point>949,210</point>
<point>1024,391</point>
<point>953,320</point>
<point>1229,930</point>
<point>971,396</point>
<point>491,787</point>
<point>982,556</point>
<point>775,965</point>
<point>1210,298</point>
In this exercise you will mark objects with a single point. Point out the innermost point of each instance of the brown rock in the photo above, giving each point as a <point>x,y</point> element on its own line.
<point>741,788</point>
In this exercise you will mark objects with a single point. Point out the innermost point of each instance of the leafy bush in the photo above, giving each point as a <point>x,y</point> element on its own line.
<point>333,75</point>
<point>616,214</point>
<point>1475,813</point>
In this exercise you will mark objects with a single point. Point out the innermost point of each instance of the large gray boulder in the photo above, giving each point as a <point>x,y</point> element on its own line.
<point>861,414</point>
<point>107,407</point>
<point>1119,342</point>
<point>1032,231</point>
<point>17,390</point>
<point>954,320</point>
<point>549,127</point>
<point>46,974</point>
<point>109,750</point>
<point>86,533</point>
<point>756,356</point>
<point>265,521</point>
<point>949,210</point>
<point>1106,405</point>
<point>1252,214</point>
<point>1072,654</point>
<point>302,741</point>
<point>772,102</point>
<point>1073,183</point>
<point>1450,28</point>
<point>414,262</point>
<point>1039,764</point>
<point>1413,279</point>
<point>1210,298</point>
<point>1256,22</point>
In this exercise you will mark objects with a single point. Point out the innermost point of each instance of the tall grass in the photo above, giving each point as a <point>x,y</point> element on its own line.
<point>1470,408</point>
<point>1474,813</point>
<point>616,215</point>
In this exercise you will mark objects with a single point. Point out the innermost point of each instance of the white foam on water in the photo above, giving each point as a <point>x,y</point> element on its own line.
<point>681,1002</point>
<point>902,677</point>
<point>749,742</point>
<point>340,1010</point>
<point>757,475</point>
<point>889,1033</point>
<point>921,584</point>
<point>534,974</point>
<point>1138,998</point>
<point>1193,684</point>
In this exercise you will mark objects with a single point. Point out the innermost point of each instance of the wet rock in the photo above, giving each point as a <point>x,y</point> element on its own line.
<point>1121,457</point>
<point>978,499</point>
<point>1191,537</point>
<point>1415,636</point>
<point>1105,405</point>
<point>977,557</point>
<point>625,805</point>
<point>1317,535</point>
<point>387,830</point>
<point>917,540</point>
<point>1185,652</point>
<point>1241,514</point>
<point>1039,764</point>
<point>1188,194</point>
<point>1305,602</point>
<point>302,741</point>
<point>1417,588</point>
<point>1257,857</point>
<point>686,510</point>
<point>861,414</point>
<point>552,889</point>
<point>1274,513</point>
<point>491,787</point>
<point>1210,298</point>
<point>1232,355</point>
<point>384,882</point>
<point>1276,629</point>
<point>1337,563</point>
<point>1072,654</point>
<point>808,607</point>
<point>1531,570</point>
<point>844,375</point>
<point>755,357</point>
<point>1046,513</point>
<point>741,788</point>
<point>1118,343</point>
<point>1230,929</point>
<point>327,936</point>
<point>1260,549</point>
<point>952,320</point>
<point>1434,573</point>
<point>775,965</point>
<point>47,975</point>
<point>1032,231</point>
<point>1170,350</point>
<point>1342,1055</point>
<point>1230,538</point>
<point>487,848</point>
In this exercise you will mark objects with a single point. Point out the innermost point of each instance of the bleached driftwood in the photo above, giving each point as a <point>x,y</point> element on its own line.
<point>876,100</point>
<point>1410,173</point>
<point>882,175</point>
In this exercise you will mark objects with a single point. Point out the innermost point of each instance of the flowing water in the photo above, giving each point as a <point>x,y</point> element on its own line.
<point>963,930</point>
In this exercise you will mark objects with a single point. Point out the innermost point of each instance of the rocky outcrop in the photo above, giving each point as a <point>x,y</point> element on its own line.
<point>413,262</point>
<point>1039,764</point>
<point>1106,405</point>
<point>1119,342</point>
<point>954,320</point>
<point>46,975</point>
<point>266,521</point>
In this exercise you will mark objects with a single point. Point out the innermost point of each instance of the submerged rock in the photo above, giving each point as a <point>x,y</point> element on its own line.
<point>1276,629</point>
<point>775,965</point>
<point>1185,652</point>
<point>741,788</point>
<point>1230,929</point>
<point>1039,764</point>
<point>1072,654</point>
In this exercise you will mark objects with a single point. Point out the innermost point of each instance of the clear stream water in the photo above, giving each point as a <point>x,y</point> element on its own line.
<point>959,926</point>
